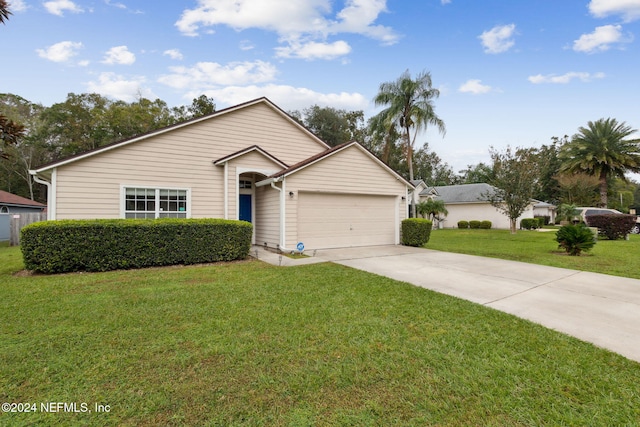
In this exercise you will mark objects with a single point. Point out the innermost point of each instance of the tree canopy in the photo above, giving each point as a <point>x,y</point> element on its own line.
<point>601,150</point>
<point>515,177</point>
<point>409,106</point>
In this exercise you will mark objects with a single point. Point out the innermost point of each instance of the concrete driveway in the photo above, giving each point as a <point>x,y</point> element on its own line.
<point>598,308</point>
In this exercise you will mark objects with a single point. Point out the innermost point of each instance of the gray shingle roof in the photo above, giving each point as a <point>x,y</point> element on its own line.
<point>464,193</point>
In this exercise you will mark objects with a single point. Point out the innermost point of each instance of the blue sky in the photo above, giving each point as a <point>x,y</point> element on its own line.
<point>510,72</point>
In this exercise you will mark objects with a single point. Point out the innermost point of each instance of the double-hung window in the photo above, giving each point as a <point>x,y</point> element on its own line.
<point>145,202</point>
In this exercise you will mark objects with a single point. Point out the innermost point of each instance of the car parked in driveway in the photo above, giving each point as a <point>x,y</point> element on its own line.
<point>583,214</point>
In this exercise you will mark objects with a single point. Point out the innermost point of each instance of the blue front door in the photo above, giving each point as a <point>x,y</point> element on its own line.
<point>245,207</point>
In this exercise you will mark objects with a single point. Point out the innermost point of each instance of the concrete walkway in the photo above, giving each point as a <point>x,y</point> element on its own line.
<point>598,308</point>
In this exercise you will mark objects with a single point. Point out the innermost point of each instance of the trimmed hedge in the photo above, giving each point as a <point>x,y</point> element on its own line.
<point>612,226</point>
<point>463,224</point>
<point>475,224</point>
<point>529,223</point>
<point>416,231</point>
<point>485,225</point>
<point>103,245</point>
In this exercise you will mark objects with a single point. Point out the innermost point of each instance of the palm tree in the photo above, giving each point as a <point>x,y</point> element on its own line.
<point>601,150</point>
<point>409,106</point>
<point>432,208</point>
<point>4,11</point>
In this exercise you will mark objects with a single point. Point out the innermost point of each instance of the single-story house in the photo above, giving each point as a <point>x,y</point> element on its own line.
<point>11,204</point>
<point>545,209</point>
<point>467,202</point>
<point>250,162</point>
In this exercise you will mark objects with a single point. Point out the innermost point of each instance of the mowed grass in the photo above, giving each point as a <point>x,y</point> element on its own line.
<point>250,344</point>
<point>615,257</point>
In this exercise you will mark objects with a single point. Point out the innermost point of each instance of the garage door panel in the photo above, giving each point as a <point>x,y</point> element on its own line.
<point>329,220</point>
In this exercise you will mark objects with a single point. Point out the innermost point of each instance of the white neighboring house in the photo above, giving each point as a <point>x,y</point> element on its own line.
<point>466,202</point>
<point>545,209</point>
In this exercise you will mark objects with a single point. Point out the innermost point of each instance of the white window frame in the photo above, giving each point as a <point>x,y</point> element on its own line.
<point>157,189</point>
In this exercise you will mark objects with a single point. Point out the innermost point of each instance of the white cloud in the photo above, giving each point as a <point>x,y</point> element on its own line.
<point>58,7</point>
<point>601,39</point>
<point>445,1</point>
<point>205,75</point>
<point>116,5</point>
<point>119,55</point>
<point>629,9</point>
<point>118,87</point>
<point>60,52</point>
<point>475,87</point>
<point>314,50</point>
<point>18,6</point>
<point>565,78</point>
<point>173,54</point>
<point>246,45</point>
<point>296,22</point>
<point>498,39</point>
<point>287,97</point>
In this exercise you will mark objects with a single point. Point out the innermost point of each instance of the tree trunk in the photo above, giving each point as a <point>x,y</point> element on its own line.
<point>603,190</point>
<point>512,225</point>
<point>410,164</point>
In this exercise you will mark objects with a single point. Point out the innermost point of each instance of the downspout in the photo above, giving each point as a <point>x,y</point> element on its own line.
<point>282,216</point>
<point>226,190</point>
<point>51,204</point>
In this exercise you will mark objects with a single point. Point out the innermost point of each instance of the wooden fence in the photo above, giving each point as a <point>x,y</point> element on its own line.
<point>19,220</point>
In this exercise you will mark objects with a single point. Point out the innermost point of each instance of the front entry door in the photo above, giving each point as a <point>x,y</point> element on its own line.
<point>245,207</point>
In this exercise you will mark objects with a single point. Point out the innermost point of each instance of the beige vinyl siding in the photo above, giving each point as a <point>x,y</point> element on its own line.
<point>350,171</point>
<point>267,227</point>
<point>90,188</point>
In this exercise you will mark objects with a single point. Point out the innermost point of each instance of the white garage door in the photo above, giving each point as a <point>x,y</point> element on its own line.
<point>329,220</point>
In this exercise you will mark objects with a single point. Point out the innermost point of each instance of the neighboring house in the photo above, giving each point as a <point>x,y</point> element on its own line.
<point>546,210</point>
<point>250,162</point>
<point>13,204</point>
<point>415,196</point>
<point>466,202</point>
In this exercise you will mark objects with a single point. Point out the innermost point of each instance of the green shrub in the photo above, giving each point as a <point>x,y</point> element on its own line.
<point>543,220</point>
<point>612,226</point>
<point>474,224</point>
<point>575,238</point>
<point>463,224</point>
<point>416,231</point>
<point>485,225</point>
<point>102,245</point>
<point>529,223</point>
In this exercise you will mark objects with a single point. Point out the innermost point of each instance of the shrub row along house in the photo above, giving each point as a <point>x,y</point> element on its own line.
<point>250,162</point>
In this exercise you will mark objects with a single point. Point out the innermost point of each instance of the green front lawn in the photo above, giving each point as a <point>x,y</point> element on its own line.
<point>616,257</point>
<point>250,344</point>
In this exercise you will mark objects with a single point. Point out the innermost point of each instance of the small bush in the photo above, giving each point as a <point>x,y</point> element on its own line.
<point>474,224</point>
<point>463,224</point>
<point>612,226</point>
<point>575,238</point>
<point>543,220</point>
<point>103,245</point>
<point>529,223</point>
<point>485,225</point>
<point>416,231</point>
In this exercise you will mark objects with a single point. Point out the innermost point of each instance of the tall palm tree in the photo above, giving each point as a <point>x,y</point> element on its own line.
<point>601,150</point>
<point>409,105</point>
